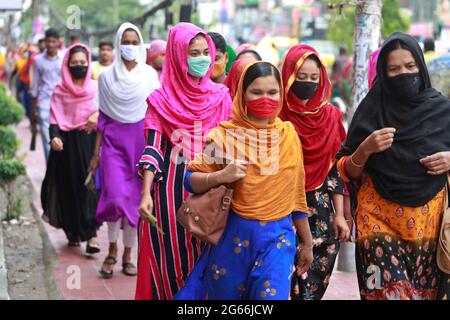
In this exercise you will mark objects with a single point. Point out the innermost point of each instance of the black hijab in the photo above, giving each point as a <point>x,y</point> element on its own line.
<point>422,126</point>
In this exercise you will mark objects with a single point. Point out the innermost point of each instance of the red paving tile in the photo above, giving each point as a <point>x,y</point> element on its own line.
<point>343,286</point>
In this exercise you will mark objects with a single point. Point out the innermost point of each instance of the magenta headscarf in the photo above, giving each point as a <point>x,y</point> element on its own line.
<point>70,105</point>
<point>180,102</point>
<point>372,70</point>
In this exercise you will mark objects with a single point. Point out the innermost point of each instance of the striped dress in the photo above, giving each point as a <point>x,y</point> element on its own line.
<point>166,260</point>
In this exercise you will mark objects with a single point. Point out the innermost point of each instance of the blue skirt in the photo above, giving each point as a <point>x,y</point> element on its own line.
<point>254,260</point>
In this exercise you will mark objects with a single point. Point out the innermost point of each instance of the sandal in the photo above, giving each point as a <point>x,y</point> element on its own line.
<point>129,269</point>
<point>109,261</point>
<point>92,248</point>
<point>74,244</point>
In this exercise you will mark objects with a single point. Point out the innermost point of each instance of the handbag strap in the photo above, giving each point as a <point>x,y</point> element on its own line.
<point>447,186</point>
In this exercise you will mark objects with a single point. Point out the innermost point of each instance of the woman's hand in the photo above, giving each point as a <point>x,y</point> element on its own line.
<point>94,163</point>
<point>437,163</point>
<point>378,141</point>
<point>91,124</point>
<point>341,229</point>
<point>305,258</point>
<point>146,206</point>
<point>57,144</point>
<point>235,170</point>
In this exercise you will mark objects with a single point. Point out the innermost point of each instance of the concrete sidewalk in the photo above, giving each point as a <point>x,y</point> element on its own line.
<point>343,286</point>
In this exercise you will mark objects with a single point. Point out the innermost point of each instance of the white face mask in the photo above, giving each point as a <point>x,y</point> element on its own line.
<point>129,52</point>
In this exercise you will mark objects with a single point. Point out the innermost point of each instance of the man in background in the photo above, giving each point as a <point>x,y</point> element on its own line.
<point>46,74</point>
<point>220,63</point>
<point>106,56</point>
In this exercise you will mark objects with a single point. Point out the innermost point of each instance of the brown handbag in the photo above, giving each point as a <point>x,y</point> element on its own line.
<point>205,215</point>
<point>443,248</point>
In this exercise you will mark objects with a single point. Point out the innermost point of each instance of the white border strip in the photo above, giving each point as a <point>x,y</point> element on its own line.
<point>3,272</point>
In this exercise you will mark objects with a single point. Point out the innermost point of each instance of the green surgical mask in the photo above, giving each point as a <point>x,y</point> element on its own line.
<point>198,66</point>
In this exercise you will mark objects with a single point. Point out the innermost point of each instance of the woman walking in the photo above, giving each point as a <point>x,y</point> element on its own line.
<point>67,203</point>
<point>178,117</point>
<point>398,145</point>
<point>156,55</point>
<point>123,88</point>
<point>319,127</point>
<point>254,258</point>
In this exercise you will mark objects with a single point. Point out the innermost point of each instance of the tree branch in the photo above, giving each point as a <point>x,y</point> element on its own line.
<point>139,21</point>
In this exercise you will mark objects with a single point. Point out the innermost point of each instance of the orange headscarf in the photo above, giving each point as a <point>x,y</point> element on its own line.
<point>274,186</point>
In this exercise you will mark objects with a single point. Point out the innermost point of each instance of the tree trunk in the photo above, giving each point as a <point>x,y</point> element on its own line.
<point>367,40</point>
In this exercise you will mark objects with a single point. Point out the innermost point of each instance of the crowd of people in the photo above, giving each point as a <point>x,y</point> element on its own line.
<point>128,137</point>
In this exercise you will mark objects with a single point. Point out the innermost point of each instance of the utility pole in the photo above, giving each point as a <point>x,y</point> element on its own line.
<point>40,13</point>
<point>186,10</point>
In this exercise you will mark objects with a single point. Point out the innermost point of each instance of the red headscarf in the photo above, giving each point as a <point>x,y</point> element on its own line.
<point>233,77</point>
<point>318,123</point>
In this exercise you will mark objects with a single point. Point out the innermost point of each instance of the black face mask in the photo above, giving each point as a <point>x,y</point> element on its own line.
<point>304,90</point>
<point>406,84</point>
<point>78,72</point>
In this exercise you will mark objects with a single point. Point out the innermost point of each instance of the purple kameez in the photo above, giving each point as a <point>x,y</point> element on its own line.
<point>120,188</point>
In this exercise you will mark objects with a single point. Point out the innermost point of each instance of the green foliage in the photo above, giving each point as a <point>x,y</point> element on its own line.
<point>8,143</point>
<point>96,14</point>
<point>341,28</point>
<point>11,112</point>
<point>393,20</point>
<point>10,169</point>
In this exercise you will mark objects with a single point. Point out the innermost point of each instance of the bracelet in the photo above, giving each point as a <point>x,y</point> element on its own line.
<point>355,164</point>
<point>207,179</point>
<point>306,248</point>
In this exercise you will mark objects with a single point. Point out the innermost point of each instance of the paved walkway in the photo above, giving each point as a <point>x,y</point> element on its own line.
<point>72,260</point>
<point>343,286</point>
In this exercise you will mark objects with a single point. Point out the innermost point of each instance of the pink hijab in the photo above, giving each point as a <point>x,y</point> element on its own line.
<point>157,47</point>
<point>70,105</point>
<point>372,70</point>
<point>181,103</point>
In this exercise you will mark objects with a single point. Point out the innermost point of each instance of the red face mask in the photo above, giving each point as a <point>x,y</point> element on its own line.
<point>263,108</point>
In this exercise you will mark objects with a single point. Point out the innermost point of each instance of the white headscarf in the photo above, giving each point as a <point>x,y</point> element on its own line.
<point>123,93</point>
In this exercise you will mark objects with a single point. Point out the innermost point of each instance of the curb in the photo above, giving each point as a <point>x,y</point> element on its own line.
<point>3,271</point>
<point>48,252</point>
<point>50,259</point>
